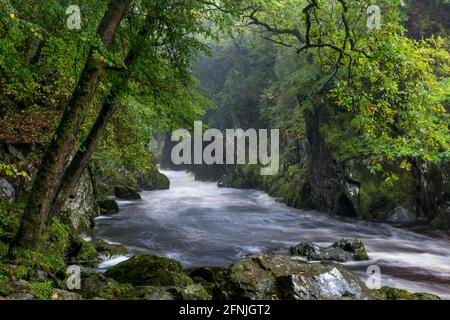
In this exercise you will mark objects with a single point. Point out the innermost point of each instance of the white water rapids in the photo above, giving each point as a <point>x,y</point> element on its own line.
<point>198,223</point>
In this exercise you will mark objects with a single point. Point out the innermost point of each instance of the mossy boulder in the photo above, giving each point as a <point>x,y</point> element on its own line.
<point>190,292</point>
<point>96,285</point>
<point>108,250</point>
<point>83,252</point>
<point>387,293</point>
<point>282,277</point>
<point>59,294</point>
<point>342,250</point>
<point>152,180</point>
<point>149,270</point>
<point>126,193</point>
<point>108,206</point>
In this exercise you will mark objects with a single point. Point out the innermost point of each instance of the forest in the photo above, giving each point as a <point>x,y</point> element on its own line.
<point>93,205</point>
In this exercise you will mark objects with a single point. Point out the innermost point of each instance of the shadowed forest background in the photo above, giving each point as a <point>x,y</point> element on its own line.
<point>86,116</point>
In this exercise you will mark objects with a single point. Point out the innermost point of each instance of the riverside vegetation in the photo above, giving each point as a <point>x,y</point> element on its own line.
<point>363,116</point>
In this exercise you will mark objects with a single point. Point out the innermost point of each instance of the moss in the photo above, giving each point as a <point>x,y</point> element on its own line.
<point>387,293</point>
<point>379,195</point>
<point>5,290</point>
<point>153,180</point>
<point>9,219</point>
<point>50,262</point>
<point>442,221</point>
<point>82,251</point>
<point>149,270</point>
<point>3,249</point>
<point>41,290</point>
<point>57,237</point>
<point>106,249</point>
<point>97,285</point>
<point>13,272</point>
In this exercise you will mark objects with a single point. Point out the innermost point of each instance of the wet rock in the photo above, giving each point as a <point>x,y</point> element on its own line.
<point>21,296</point>
<point>82,206</point>
<point>108,206</point>
<point>149,270</point>
<point>281,277</point>
<point>190,292</point>
<point>108,250</point>
<point>59,294</point>
<point>387,293</point>
<point>6,190</point>
<point>342,250</point>
<point>37,275</point>
<point>83,252</point>
<point>96,285</point>
<point>126,193</point>
<point>401,215</point>
<point>153,180</point>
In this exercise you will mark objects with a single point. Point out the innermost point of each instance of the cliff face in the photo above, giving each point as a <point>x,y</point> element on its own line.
<point>310,177</point>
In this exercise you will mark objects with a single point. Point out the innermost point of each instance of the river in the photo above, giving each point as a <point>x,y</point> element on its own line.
<point>198,223</point>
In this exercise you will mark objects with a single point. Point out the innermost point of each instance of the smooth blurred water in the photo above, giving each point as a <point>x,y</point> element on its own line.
<point>198,223</point>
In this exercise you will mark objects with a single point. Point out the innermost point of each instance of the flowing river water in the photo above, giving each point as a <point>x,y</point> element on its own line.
<point>198,223</point>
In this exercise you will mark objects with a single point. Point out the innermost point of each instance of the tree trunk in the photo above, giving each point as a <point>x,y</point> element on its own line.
<point>81,159</point>
<point>56,157</point>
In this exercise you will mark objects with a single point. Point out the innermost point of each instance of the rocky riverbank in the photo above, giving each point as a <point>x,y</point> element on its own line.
<point>151,277</point>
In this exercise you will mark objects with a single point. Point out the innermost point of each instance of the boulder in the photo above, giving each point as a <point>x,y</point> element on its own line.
<point>96,285</point>
<point>152,180</point>
<point>190,292</point>
<point>282,277</point>
<point>387,293</point>
<point>342,250</point>
<point>126,193</point>
<point>108,250</point>
<point>6,190</point>
<point>81,207</point>
<point>401,215</point>
<point>108,206</point>
<point>149,270</point>
<point>59,294</point>
<point>83,252</point>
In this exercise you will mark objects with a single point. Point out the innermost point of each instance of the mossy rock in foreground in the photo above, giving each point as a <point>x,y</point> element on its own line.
<point>190,292</point>
<point>149,270</point>
<point>387,293</point>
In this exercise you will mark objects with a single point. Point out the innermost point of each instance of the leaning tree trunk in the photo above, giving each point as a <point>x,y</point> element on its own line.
<point>81,159</point>
<point>56,157</point>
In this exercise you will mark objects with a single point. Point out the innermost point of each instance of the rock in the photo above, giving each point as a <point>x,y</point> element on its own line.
<point>108,250</point>
<point>83,252</point>
<point>149,270</point>
<point>148,293</point>
<point>96,285</point>
<point>6,190</point>
<point>342,250</point>
<point>387,293</point>
<point>401,215</point>
<point>190,292</point>
<point>152,180</point>
<point>205,273</point>
<point>82,206</point>
<point>21,296</point>
<point>37,275</point>
<point>282,277</point>
<point>126,193</point>
<point>108,206</point>
<point>59,294</point>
